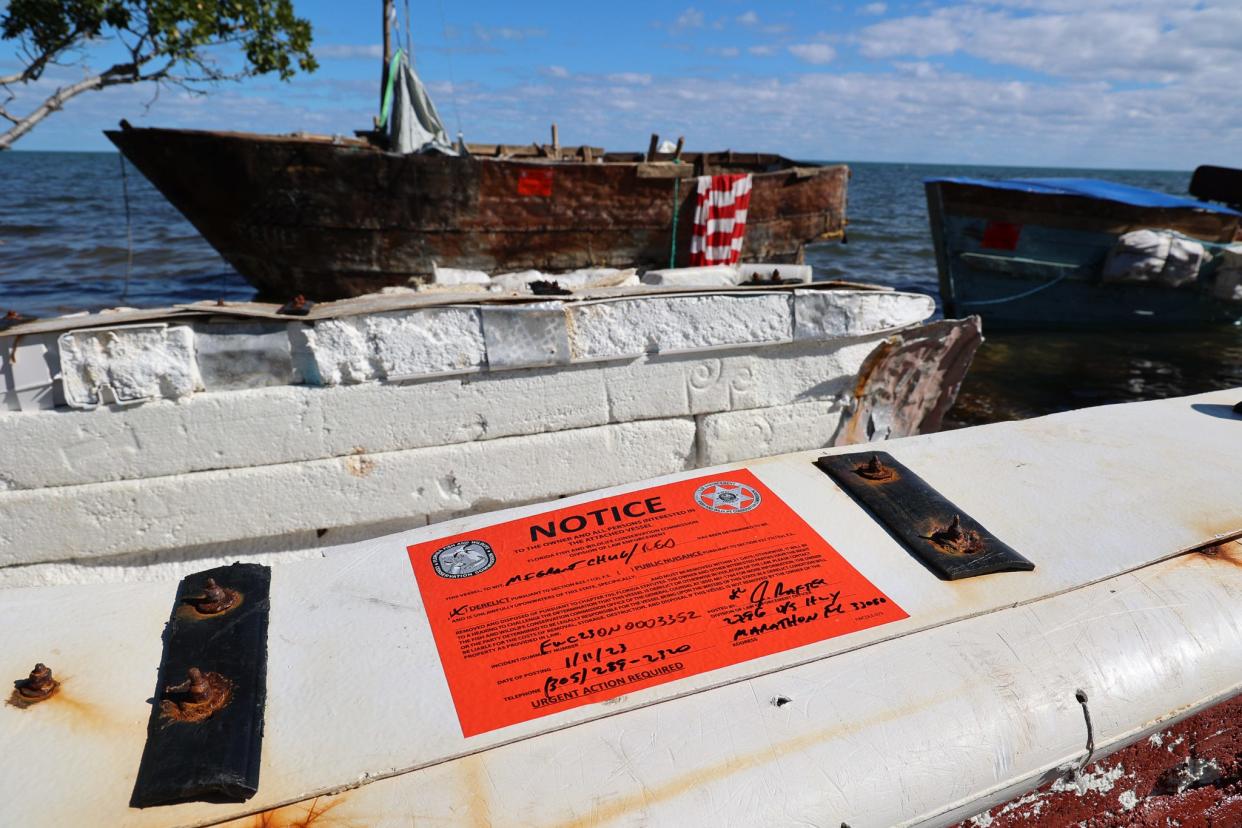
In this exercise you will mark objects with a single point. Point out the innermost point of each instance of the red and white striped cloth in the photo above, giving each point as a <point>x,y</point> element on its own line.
<point>720,220</point>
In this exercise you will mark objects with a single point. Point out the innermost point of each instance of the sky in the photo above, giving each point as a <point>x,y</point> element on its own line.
<point>1150,84</point>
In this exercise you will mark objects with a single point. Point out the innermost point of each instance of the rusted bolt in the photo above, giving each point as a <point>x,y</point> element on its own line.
<point>195,687</point>
<point>297,306</point>
<point>12,315</point>
<point>874,470</point>
<point>39,685</point>
<point>214,599</point>
<point>957,539</point>
<point>197,698</point>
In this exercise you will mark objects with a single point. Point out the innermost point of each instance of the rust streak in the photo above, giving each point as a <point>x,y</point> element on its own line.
<point>1229,554</point>
<point>300,815</point>
<point>478,797</point>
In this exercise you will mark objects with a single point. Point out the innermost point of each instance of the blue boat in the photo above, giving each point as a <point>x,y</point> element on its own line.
<point>1031,253</point>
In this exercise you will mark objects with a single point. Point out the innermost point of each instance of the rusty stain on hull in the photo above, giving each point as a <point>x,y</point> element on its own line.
<point>330,220</point>
<point>300,815</point>
<point>1229,554</point>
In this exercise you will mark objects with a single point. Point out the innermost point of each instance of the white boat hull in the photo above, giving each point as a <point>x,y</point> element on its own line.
<point>982,692</point>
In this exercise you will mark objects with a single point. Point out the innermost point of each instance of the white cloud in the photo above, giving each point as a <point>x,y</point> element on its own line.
<point>691,18</point>
<point>724,51</point>
<point>748,19</point>
<point>917,68</point>
<point>873,9</point>
<point>813,53</point>
<point>636,78</point>
<point>349,51</point>
<point>489,33</point>
<point>1143,83</point>
<point>1136,41</point>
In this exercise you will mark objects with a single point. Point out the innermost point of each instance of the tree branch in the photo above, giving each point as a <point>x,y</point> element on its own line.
<point>39,62</point>
<point>54,102</point>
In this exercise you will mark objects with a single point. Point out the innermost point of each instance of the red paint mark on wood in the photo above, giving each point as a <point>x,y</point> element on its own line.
<point>535,183</point>
<point>1001,235</point>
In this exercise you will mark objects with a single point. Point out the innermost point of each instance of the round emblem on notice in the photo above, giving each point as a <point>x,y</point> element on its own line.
<point>727,497</point>
<point>463,559</point>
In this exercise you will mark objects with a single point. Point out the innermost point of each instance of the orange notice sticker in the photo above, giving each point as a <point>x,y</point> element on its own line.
<point>589,602</point>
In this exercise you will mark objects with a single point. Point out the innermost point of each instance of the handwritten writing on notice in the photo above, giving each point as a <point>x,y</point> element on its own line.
<point>589,602</point>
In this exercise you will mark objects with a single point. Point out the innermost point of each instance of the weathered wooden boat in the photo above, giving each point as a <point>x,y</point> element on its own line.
<point>1032,253</point>
<point>337,217</point>
<point>332,217</point>
<point>263,431</point>
<point>752,644</point>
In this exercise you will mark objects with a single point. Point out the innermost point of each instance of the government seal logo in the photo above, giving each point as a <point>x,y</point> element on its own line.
<point>727,497</point>
<point>463,559</point>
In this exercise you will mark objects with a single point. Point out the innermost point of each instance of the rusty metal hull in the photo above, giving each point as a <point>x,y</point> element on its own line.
<point>336,219</point>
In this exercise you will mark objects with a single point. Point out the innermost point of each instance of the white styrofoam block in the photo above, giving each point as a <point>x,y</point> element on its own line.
<point>803,273</point>
<point>675,324</point>
<point>711,276</point>
<point>130,363</point>
<point>830,314</point>
<point>590,277</point>
<point>523,336</point>
<point>234,356</point>
<point>761,432</point>
<point>517,280</point>
<point>475,407</point>
<point>396,345</point>
<point>740,378</point>
<point>129,517</point>
<point>28,367</point>
<point>286,424</point>
<point>207,431</point>
<point>457,276</point>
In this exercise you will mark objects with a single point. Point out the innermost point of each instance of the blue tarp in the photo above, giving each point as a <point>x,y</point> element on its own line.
<point>1092,188</point>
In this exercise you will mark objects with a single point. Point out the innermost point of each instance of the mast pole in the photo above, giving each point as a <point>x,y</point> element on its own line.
<point>388,11</point>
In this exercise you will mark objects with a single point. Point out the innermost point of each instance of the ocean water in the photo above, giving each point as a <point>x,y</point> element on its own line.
<point>64,247</point>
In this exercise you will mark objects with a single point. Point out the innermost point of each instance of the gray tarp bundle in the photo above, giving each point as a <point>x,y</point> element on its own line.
<point>413,124</point>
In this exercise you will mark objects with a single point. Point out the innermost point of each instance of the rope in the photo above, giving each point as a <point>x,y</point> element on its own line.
<point>1016,296</point>
<point>409,44</point>
<point>672,249</point>
<point>129,229</point>
<point>386,105</point>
